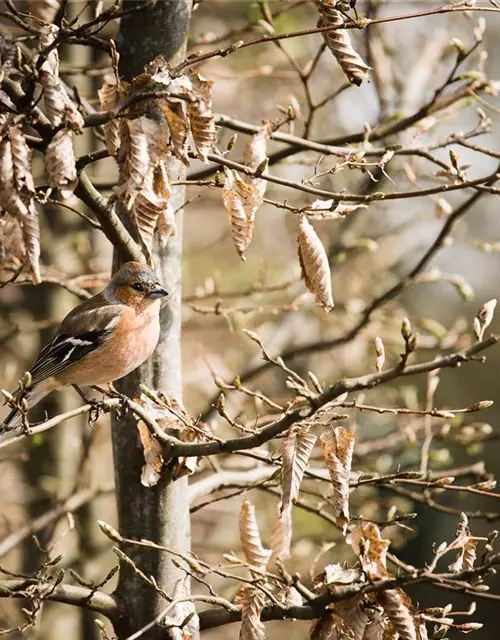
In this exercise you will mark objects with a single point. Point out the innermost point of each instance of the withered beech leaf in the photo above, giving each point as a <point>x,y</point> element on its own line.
<point>399,609</point>
<point>200,115</point>
<point>153,456</point>
<point>151,203</point>
<point>465,545</point>
<point>17,195</point>
<point>323,628</point>
<point>314,264</point>
<point>354,618</point>
<point>338,445</point>
<point>290,596</point>
<point>58,105</point>
<point>21,158</point>
<point>255,154</point>
<point>281,533</point>
<point>175,115</point>
<point>252,627</point>
<point>368,544</point>
<point>146,145</point>
<point>108,99</point>
<point>60,162</point>
<point>241,201</point>
<point>339,42</point>
<point>296,450</point>
<point>257,556</point>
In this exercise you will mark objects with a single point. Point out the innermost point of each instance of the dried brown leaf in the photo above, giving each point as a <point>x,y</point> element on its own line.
<point>338,445</point>
<point>255,154</point>
<point>59,106</point>
<point>290,597</point>
<point>200,115</point>
<point>257,556</point>
<point>108,99</point>
<point>399,609</point>
<point>175,114</point>
<point>60,163</point>
<point>339,42</point>
<point>281,533</point>
<point>296,451</point>
<point>241,201</point>
<point>151,202</point>
<point>314,264</point>
<point>368,544</point>
<point>16,194</point>
<point>153,456</point>
<point>324,627</point>
<point>252,627</point>
<point>354,618</point>
<point>21,159</point>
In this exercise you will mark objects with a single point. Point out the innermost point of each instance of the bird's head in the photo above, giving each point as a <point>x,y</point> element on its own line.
<point>136,285</point>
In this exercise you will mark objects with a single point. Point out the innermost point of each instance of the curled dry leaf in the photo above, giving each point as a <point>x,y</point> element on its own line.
<point>353,618</point>
<point>255,155</point>
<point>323,628</point>
<point>175,116</point>
<point>61,110</point>
<point>200,115</point>
<point>152,210</point>
<point>108,99</point>
<point>296,451</point>
<point>153,456</point>
<point>252,627</point>
<point>146,191</point>
<point>60,163</point>
<point>399,609</point>
<point>241,201</point>
<point>314,264</point>
<point>17,195</point>
<point>281,533</point>
<point>257,556</point>
<point>368,544</point>
<point>339,42</point>
<point>338,445</point>
<point>145,146</point>
<point>290,597</point>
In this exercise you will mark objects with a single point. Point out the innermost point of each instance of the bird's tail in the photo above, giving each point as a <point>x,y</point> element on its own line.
<point>12,424</point>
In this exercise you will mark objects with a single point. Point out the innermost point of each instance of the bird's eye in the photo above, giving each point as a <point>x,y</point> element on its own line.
<point>137,286</point>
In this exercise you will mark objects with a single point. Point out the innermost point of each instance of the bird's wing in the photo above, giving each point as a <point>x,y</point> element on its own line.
<point>83,330</point>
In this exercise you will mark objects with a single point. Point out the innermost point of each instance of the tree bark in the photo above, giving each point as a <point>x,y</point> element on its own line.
<point>160,513</point>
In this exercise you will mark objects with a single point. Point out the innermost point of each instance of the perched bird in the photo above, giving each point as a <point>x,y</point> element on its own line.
<point>100,340</point>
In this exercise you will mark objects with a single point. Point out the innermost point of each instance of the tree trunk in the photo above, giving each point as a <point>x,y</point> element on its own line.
<point>160,513</point>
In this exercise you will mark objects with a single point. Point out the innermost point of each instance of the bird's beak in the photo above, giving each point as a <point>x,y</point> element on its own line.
<point>156,291</point>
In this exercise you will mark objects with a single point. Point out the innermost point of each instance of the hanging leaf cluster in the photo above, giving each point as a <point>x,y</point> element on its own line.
<point>152,118</point>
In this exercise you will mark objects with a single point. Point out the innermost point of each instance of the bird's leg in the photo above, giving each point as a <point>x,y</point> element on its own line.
<point>112,392</point>
<point>95,408</point>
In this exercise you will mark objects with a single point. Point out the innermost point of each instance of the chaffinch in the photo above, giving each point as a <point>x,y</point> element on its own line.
<point>100,340</point>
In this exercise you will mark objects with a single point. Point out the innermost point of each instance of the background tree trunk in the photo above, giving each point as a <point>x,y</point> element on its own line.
<point>160,513</point>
